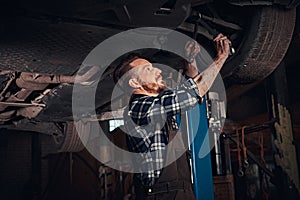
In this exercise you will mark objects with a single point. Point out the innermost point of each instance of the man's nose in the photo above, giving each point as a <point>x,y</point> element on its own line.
<point>157,71</point>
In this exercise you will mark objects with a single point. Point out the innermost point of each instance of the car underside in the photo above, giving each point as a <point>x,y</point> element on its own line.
<point>44,44</point>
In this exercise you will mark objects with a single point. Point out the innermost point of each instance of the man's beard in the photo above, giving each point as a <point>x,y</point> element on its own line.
<point>155,87</point>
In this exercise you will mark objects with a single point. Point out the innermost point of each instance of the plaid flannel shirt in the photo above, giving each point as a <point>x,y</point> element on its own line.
<point>146,124</point>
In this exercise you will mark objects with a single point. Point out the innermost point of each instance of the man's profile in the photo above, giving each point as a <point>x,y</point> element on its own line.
<point>151,124</point>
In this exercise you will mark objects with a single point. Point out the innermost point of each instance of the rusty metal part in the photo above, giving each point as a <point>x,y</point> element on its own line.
<point>22,83</point>
<point>20,96</point>
<point>32,80</point>
<point>20,104</point>
<point>29,82</point>
<point>253,157</point>
<point>30,112</point>
<point>11,78</point>
<point>88,75</point>
<point>16,99</point>
<point>246,163</point>
<point>41,96</point>
<point>254,128</point>
<point>5,72</point>
<point>6,116</point>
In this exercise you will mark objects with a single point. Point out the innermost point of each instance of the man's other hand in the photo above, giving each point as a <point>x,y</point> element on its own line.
<point>223,45</point>
<point>192,49</point>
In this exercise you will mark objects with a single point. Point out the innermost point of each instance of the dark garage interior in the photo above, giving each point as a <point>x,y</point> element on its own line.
<point>43,44</point>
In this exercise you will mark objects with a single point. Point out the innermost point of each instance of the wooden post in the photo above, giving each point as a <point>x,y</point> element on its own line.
<point>285,157</point>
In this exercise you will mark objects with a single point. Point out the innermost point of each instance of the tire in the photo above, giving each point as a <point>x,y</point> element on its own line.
<point>263,48</point>
<point>75,141</point>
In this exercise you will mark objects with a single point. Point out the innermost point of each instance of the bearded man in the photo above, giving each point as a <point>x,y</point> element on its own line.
<point>151,125</point>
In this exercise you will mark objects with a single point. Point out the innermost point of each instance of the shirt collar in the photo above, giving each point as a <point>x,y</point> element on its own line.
<point>136,96</point>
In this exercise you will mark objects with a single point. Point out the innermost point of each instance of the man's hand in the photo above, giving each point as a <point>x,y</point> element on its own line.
<point>192,49</point>
<point>223,45</point>
<point>205,80</point>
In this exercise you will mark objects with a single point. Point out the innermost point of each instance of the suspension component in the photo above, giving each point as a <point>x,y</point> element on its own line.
<point>212,31</point>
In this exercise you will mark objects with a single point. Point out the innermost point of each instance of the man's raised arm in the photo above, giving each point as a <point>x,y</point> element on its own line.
<point>206,79</point>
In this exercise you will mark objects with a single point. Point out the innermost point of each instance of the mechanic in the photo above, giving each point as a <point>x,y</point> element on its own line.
<point>151,124</point>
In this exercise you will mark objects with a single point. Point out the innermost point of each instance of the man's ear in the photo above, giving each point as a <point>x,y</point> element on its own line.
<point>133,82</point>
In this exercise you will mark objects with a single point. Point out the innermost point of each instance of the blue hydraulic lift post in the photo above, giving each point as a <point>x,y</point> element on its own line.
<point>201,166</point>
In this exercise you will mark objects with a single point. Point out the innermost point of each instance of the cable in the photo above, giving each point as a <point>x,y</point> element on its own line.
<point>246,163</point>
